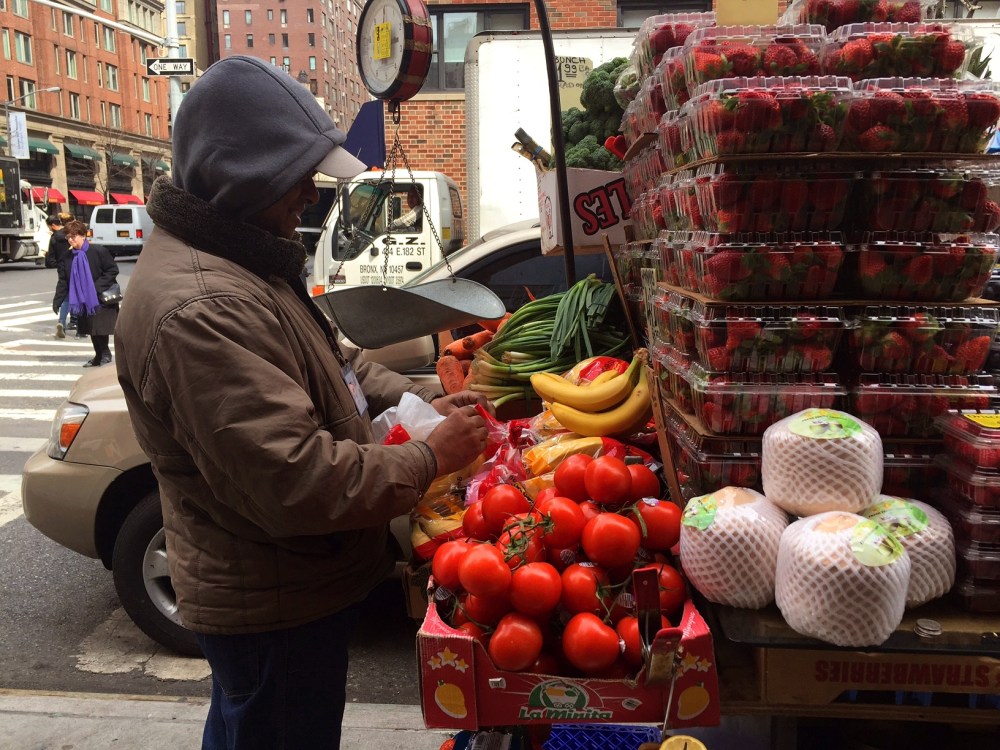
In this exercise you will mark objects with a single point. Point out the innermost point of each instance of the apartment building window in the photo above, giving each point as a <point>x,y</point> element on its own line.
<point>148,124</point>
<point>109,39</point>
<point>286,63</point>
<point>104,113</point>
<point>225,19</point>
<point>181,7</point>
<point>183,49</point>
<point>270,39</point>
<point>5,40</point>
<point>106,6</point>
<point>274,60</point>
<point>631,13</point>
<point>27,90</point>
<point>312,63</point>
<point>249,41</point>
<point>227,41</point>
<point>19,8</point>
<point>111,77</point>
<point>74,106</point>
<point>310,17</point>
<point>452,30</point>
<point>116,115</point>
<point>145,89</point>
<point>283,15</point>
<point>100,74</point>
<point>71,64</point>
<point>182,28</point>
<point>10,87</point>
<point>248,17</point>
<point>22,47</point>
<point>58,54</point>
<point>311,40</point>
<point>83,66</point>
<point>68,24</point>
<point>284,41</point>
<point>270,14</point>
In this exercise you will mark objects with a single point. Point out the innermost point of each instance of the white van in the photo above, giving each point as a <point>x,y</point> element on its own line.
<point>120,228</point>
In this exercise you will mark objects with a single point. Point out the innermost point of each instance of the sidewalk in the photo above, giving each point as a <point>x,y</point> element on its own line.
<point>92,721</point>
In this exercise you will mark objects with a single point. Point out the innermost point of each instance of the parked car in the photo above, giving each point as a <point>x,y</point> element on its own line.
<point>91,487</point>
<point>120,228</point>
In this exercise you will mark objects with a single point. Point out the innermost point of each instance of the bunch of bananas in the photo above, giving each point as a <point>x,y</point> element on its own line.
<point>613,404</point>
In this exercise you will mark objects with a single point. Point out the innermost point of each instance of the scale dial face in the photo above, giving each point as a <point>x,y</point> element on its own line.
<point>393,47</point>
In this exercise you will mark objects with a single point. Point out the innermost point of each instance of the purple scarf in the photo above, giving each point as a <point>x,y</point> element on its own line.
<point>82,292</point>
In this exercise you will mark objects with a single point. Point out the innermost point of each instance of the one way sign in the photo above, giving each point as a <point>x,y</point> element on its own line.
<point>170,66</point>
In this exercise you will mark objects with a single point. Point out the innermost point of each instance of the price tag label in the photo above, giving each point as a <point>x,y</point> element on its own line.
<point>990,421</point>
<point>572,72</point>
<point>383,41</point>
<point>751,12</point>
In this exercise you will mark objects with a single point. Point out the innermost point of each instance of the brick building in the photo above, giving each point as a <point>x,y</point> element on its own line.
<point>104,134</point>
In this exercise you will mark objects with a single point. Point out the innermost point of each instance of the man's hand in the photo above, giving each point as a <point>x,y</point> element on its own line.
<point>447,404</point>
<point>458,439</point>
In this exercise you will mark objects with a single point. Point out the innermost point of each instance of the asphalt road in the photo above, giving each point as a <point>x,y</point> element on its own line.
<point>63,627</point>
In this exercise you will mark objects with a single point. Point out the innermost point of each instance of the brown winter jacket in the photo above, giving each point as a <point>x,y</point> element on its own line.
<point>275,501</point>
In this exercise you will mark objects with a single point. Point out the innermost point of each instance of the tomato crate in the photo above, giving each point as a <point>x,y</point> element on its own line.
<point>863,51</point>
<point>461,688</point>
<point>922,340</point>
<point>973,436</point>
<point>832,14</point>
<point>979,486</point>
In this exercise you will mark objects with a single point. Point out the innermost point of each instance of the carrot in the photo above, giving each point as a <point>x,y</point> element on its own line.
<point>493,325</point>
<point>466,365</point>
<point>449,371</point>
<point>503,320</point>
<point>468,380</point>
<point>469,344</point>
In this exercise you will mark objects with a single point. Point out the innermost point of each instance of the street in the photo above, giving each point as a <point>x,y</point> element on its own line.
<point>64,628</point>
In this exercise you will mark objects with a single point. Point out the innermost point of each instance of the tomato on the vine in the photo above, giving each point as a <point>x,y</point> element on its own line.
<point>590,509</point>
<point>521,543</point>
<point>483,571</point>
<point>628,629</point>
<point>590,644</point>
<point>608,481</point>
<point>546,663</point>
<point>484,610</point>
<point>610,540</point>
<point>500,502</point>
<point>673,592</point>
<point>516,642</point>
<point>446,561</point>
<point>565,523</point>
<point>535,589</point>
<point>473,523</point>
<point>543,495</point>
<point>660,526</point>
<point>644,482</point>
<point>568,476</point>
<point>584,588</point>
<point>470,628</point>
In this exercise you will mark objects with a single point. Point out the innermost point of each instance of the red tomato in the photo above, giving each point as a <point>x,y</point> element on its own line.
<point>563,558</point>
<point>485,610</point>
<point>470,628</point>
<point>483,571</point>
<point>500,503</point>
<point>589,644</point>
<point>520,545</point>
<point>543,495</point>
<point>444,565</point>
<point>473,524</point>
<point>644,482</point>
<point>628,629</point>
<point>546,663</point>
<point>608,481</point>
<point>535,589</point>
<point>516,642</point>
<point>610,540</point>
<point>662,522</point>
<point>584,588</point>
<point>566,522</point>
<point>590,509</point>
<point>673,593</point>
<point>569,477</point>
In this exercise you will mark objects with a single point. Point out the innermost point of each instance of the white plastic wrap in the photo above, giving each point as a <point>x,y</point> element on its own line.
<point>927,537</point>
<point>820,460</point>
<point>729,546</point>
<point>842,578</point>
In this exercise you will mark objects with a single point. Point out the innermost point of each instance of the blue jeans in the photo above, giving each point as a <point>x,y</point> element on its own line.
<point>282,690</point>
<point>64,311</point>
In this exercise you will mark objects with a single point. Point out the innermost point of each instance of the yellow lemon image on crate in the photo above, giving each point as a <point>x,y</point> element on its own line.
<point>682,742</point>
<point>450,699</point>
<point>692,702</point>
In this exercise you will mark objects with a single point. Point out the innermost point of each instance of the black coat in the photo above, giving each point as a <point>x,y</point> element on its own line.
<point>58,248</point>
<point>104,271</point>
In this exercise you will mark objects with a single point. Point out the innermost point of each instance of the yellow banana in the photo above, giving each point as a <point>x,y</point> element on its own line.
<point>590,398</point>
<point>604,377</point>
<point>630,413</point>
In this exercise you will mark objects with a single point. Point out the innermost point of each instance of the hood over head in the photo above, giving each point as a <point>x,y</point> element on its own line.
<point>247,132</point>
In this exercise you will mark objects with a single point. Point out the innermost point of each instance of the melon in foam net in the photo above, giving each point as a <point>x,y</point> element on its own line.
<point>841,578</point>
<point>729,546</point>
<point>927,537</point>
<point>820,460</point>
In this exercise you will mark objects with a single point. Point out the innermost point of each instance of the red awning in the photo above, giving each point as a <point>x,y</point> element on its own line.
<point>126,198</point>
<point>38,195</point>
<point>87,197</point>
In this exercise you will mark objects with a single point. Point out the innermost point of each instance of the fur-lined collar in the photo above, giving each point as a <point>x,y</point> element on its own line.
<point>203,226</point>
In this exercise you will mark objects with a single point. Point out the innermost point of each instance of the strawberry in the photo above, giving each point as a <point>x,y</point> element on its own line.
<point>983,108</point>
<point>708,284</point>
<point>718,359</point>
<point>895,346</point>
<point>779,267</point>
<point>822,138</point>
<point>744,59</point>
<point>730,142</point>
<point>988,219</point>
<point>908,12</point>
<point>816,358</point>
<point>662,39</point>
<point>779,60</point>
<point>949,57</point>
<point>856,55</point>
<point>972,354</point>
<point>859,116</point>
<point>871,403</point>
<point>921,102</point>
<point>920,270</point>
<point>757,111</point>
<point>973,194</point>
<point>880,11</point>
<point>954,114</point>
<point>709,66</point>
<point>716,117</point>
<point>922,327</point>
<point>730,222</point>
<point>727,266</point>
<point>887,108</point>
<point>878,138</point>
<point>830,255</point>
<point>794,195</point>
<point>826,194</point>
<point>681,32</point>
<point>727,189</point>
<point>933,360</point>
<point>738,331</point>
<point>871,264</point>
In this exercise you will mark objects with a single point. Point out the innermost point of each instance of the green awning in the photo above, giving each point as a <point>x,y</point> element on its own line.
<point>81,152</point>
<point>122,160</point>
<point>42,146</point>
<point>162,166</point>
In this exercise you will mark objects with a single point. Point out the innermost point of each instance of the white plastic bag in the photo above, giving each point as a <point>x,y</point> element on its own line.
<point>413,414</point>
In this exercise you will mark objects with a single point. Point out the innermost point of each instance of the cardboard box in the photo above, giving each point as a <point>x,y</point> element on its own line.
<point>460,688</point>
<point>816,677</point>
<point>415,589</point>
<point>599,204</point>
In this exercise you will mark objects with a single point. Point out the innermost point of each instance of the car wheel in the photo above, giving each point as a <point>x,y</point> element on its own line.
<point>142,579</point>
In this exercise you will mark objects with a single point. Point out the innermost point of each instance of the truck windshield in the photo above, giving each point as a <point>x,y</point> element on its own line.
<point>368,206</point>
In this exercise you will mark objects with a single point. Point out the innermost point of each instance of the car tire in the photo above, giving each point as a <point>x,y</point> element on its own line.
<point>139,564</point>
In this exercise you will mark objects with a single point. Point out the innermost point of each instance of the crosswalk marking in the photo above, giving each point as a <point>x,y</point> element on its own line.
<point>35,415</point>
<point>10,497</point>
<point>21,444</point>
<point>10,376</point>
<point>25,393</point>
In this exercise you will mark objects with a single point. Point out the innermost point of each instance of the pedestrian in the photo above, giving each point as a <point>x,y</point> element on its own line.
<point>57,252</point>
<point>276,499</point>
<point>84,274</point>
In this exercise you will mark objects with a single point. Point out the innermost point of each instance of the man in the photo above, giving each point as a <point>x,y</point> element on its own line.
<point>55,255</point>
<point>275,499</point>
<point>410,221</point>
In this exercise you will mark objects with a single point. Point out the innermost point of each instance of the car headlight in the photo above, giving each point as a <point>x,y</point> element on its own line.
<point>66,424</point>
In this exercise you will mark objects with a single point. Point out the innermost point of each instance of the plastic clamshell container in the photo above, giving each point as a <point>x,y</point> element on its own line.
<point>769,115</point>
<point>631,124</point>
<point>659,33</point>
<point>771,199</point>
<point>929,200</point>
<point>910,50</point>
<point>749,403</point>
<point>751,268</point>
<point>672,371</point>
<point>664,245</point>
<point>674,133</point>
<point>831,14</point>
<point>720,52</point>
<point>706,463</point>
<point>971,522</point>
<point>766,338</point>
<point>981,561</point>
<point>973,436</point>
<point>922,340</point>
<point>679,202</point>
<point>673,83</point>
<point>927,115</point>
<point>981,597</point>
<point>905,406</point>
<point>980,486</point>
<point>909,470</point>
<point>651,105</point>
<point>681,328</point>
<point>925,267</point>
